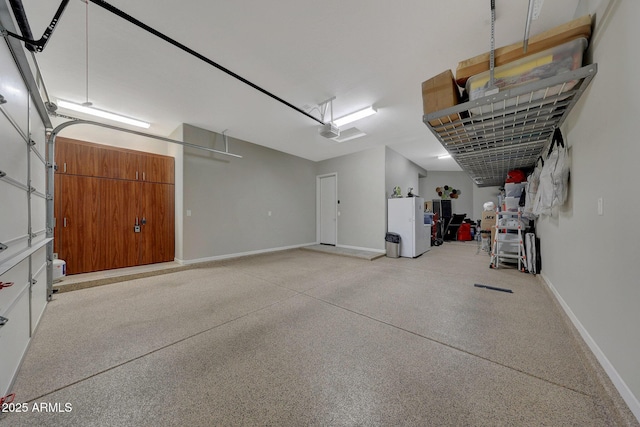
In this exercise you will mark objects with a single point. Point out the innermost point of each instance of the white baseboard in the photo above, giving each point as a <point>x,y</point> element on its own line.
<point>358,248</point>
<point>237,255</point>
<point>626,394</point>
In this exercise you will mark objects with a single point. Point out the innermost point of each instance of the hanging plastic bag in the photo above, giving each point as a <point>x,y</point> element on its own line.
<point>554,177</point>
<point>531,187</point>
<point>561,171</point>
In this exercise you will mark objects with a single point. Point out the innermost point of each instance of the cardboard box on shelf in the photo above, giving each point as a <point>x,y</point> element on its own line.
<point>542,65</point>
<point>572,30</point>
<point>438,93</point>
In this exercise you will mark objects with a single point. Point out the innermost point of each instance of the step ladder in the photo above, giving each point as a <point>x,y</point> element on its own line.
<point>502,240</point>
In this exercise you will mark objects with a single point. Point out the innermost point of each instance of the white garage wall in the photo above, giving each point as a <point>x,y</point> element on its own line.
<point>230,199</point>
<point>456,179</point>
<point>115,138</point>
<point>361,191</point>
<point>481,195</point>
<point>472,198</point>
<point>399,171</point>
<point>590,260</point>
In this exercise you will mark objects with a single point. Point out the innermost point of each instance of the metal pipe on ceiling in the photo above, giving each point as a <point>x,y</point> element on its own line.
<point>65,125</point>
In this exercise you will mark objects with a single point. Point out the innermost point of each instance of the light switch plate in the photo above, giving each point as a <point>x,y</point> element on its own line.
<point>600,206</point>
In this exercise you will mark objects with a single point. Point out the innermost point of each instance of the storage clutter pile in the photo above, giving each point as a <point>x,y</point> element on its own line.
<point>527,195</point>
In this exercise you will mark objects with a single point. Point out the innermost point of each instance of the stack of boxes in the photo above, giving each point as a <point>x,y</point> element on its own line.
<point>512,193</point>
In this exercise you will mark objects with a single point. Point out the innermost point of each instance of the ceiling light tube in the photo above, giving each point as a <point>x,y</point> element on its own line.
<point>444,156</point>
<point>360,114</point>
<point>102,113</point>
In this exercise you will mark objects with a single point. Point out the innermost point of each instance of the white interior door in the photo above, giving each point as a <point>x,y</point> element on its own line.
<point>328,210</point>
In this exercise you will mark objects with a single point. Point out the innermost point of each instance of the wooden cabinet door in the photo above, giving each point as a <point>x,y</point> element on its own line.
<point>118,164</point>
<point>77,158</point>
<point>168,170</point>
<point>155,168</point>
<point>79,242</point>
<point>57,212</point>
<point>121,244</point>
<point>157,213</point>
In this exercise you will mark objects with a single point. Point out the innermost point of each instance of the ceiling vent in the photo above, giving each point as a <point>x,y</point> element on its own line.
<point>349,134</point>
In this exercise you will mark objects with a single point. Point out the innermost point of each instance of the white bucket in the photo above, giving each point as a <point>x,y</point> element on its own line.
<point>59,269</point>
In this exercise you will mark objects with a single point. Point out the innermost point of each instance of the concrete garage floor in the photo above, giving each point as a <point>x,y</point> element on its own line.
<point>298,338</point>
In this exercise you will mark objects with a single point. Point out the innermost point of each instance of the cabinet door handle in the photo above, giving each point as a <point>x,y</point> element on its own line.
<point>136,175</point>
<point>143,178</point>
<point>65,222</point>
<point>64,167</point>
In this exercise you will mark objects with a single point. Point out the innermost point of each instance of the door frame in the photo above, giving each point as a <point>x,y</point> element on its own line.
<point>318,205</point>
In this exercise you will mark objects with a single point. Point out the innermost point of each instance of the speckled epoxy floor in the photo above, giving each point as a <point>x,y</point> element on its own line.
<point>302,338</point>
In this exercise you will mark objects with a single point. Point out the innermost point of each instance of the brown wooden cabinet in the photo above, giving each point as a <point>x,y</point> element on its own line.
<point>120,206</point>
<point>118,164</point>
<point>77,157</point>
<point>157,237</point>
<point>78,227</point>
<point>100,195</point>
<point>156,169</point>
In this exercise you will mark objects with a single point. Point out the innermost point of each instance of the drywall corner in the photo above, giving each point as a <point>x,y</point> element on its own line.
<point>402,172</point>
<point>177,152</point>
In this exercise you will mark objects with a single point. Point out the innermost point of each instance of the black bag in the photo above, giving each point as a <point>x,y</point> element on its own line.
<point>532,251</point>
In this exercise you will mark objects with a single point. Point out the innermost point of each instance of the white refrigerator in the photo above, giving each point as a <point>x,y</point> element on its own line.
<point>405,216</point>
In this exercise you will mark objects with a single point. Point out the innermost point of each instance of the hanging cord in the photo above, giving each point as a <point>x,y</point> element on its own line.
<point>527,27</point>
<point>134,21</point>
<point>493,45</point>
<point>86,44</point>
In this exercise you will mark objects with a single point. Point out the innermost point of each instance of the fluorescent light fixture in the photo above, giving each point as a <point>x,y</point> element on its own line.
<point>102,113</point>
<point>444,156</point>
<point>360,114</point>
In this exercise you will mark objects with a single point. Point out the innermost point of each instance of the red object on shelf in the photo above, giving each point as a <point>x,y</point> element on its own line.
<point>515,176</point>
<point>464,232</point>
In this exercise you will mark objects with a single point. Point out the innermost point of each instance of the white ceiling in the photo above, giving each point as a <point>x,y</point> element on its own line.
<point>363,52</point>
